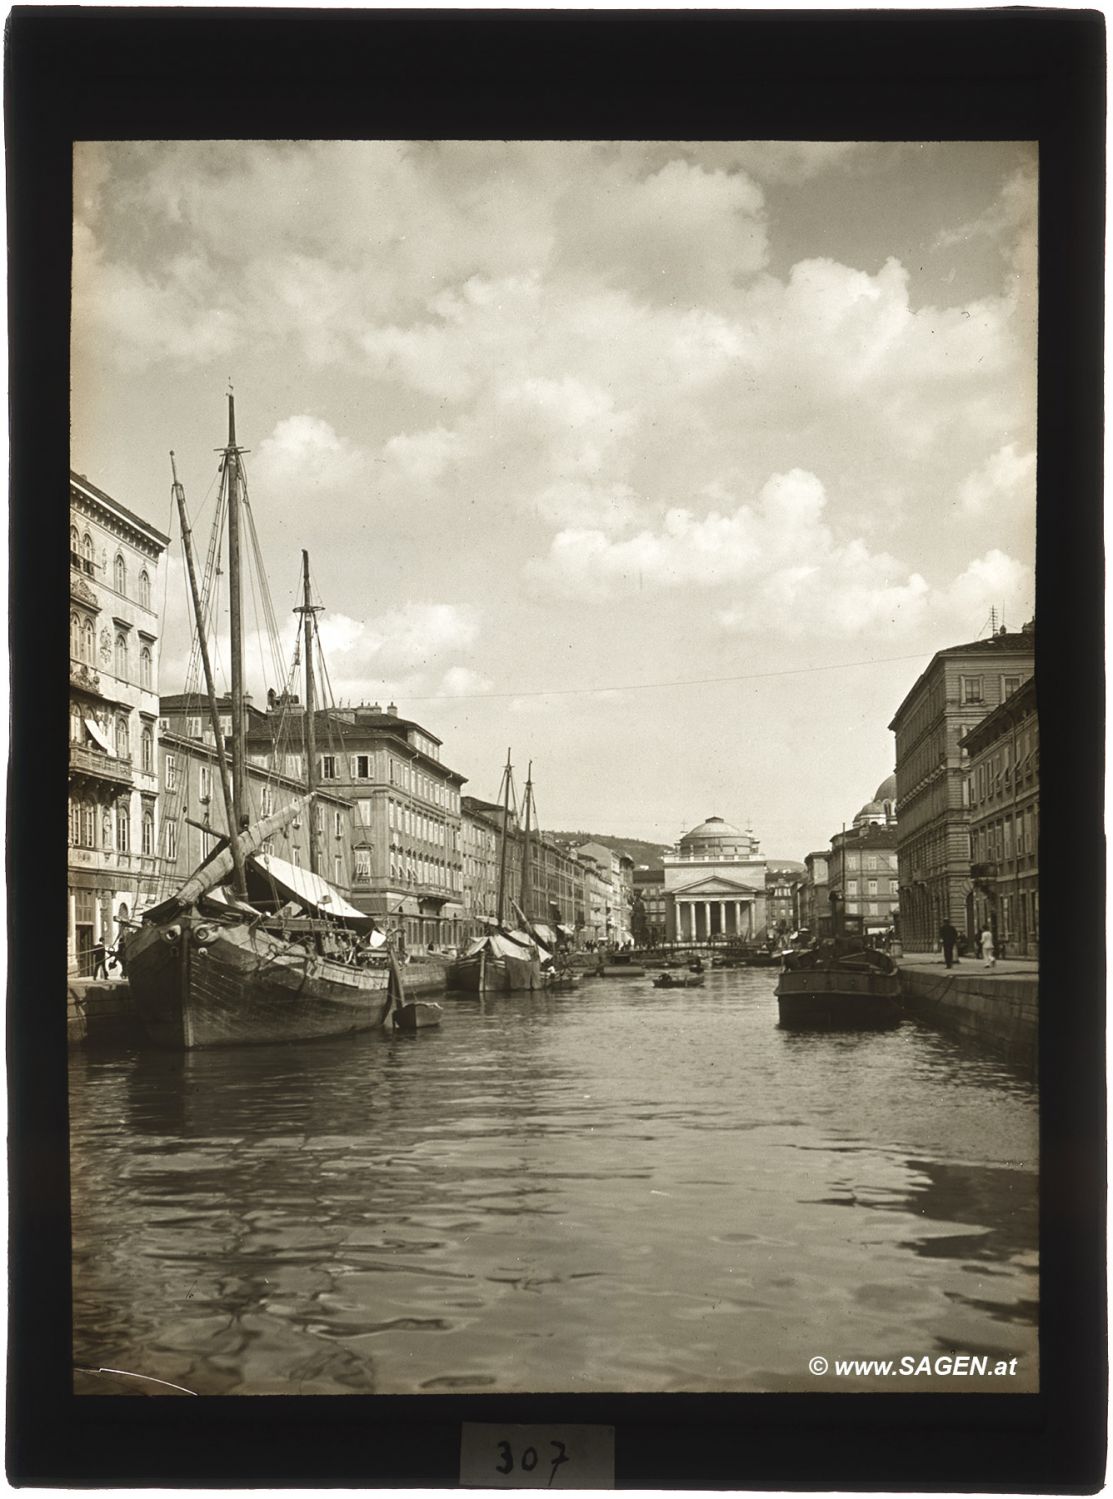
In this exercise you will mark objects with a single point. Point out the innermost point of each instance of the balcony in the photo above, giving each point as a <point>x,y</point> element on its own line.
<point>983,871</point>
<point>116,769</point>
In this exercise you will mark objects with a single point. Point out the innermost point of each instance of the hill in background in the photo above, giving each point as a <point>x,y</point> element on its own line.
<point>640,851</point>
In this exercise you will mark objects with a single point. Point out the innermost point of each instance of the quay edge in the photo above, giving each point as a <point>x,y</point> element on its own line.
<point>997,1009</point>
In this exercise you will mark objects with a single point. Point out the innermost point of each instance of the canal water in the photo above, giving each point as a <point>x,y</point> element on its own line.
<point>616,1188</point>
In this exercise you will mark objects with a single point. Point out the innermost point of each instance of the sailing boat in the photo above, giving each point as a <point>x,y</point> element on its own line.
<point>503,959</point>
<point>211,965</point>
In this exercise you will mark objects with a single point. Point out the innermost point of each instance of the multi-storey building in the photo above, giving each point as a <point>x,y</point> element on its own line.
<point>715,885</point>
<point>783,882</point>
<point>863,870</point>
<point>815,889</point>
<point>193,811</point>
<point>612,892</point>
<point>481,843</point>
<point>406,854</point>
<point>957,689</point>
<point>647,920</point>
<point>1003,777</point>
<point>113,862</point>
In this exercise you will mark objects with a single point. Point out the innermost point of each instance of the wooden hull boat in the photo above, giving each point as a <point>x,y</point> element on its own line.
<point>197,981</point>
<point>678,981</point>
<point>417,1015</point>
<point>491,972</point>
<point>831,990</point>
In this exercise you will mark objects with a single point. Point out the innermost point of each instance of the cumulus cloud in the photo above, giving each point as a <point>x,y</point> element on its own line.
<point>462,681</point>
<point>1007,478</point>
<point>304,454</point>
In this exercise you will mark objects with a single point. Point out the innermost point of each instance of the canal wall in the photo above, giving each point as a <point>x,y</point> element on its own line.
<point>998,1010</point>
<point>98,1008</point>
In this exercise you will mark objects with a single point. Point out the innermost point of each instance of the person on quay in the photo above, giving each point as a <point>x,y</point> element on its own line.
<point>100,960</point>
<point>949,937</point>
<point>989,953</point>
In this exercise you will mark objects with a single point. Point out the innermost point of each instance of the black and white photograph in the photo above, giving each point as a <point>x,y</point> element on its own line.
<point>561,624</point>
<point>555,767</point>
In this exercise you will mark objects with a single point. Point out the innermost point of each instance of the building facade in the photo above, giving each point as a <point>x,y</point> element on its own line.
<point>406,852</point>
<point>863,870</point>
<point>715,886</point>
<point>783,884</point>
<point>611,891</point>
<point>815,889</point>
<point>1003,777</point>
<point>647,920</point>
<point>954,693</point>
<point>113,861</point>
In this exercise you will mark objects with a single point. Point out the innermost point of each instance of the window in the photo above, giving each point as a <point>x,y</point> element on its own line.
<point>294,767</point>
<point>971,689</point>
<point>338,870</point>
<point>123,747</point>
<point>145,589</point>
<point>75,822</point>
<point>363,811</point>
<point>120,574</point>
<point>123,830</point>
<point>193,728</point>
<point>121,654</point>
<point>852,889</point>
<point>171,772</point>
<point>871,887</point>
<point>147,750</point>
<point>338,824</point>
<point>171,840</point>
<point>87,563</point>
<point>1009,685</point>
<point>148,833</point>
<point>90,642</point>
<point>88,824</point>
<point>75,543</point>
<point>204,783</point>
<point>295,856</point>
<point>361,767</point>
<point>363,863</point>
<point>77,725</point>
<point>328,768</point>
<point>145,676</point>
<point>75,635</point>
<point>267,800</point>
<point>226,724</point>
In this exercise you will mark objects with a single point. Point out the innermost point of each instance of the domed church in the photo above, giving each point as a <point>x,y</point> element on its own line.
<point>715,885</point>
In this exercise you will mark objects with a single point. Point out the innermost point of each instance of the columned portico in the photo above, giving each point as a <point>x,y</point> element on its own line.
<point>698,920</point>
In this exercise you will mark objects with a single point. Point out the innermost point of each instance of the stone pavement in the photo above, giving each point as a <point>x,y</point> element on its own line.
<point>930,962</point>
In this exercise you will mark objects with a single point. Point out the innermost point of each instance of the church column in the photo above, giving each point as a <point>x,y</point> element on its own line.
<point>707,921</point>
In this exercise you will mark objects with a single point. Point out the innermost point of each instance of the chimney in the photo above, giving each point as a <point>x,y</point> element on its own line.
<point>376,708</point>
<point>392,709</point>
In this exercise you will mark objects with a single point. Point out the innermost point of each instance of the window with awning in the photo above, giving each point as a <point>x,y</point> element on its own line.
<point>99,737</point>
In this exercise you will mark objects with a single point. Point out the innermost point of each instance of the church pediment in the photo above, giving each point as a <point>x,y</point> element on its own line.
<point>715,887</point>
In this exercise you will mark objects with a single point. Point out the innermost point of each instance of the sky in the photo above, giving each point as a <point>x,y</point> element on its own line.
<point>666,465</point>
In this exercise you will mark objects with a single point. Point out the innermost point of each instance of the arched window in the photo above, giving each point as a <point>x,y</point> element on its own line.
<point>123,830</point>
<point>147,750</point>
<point>88,824</point>
<point>145,666</point>
<point>123,746</point>
<point>171,840</point>
<point>90,643</point>
<point>87,553</point>
<point>75,635</point>
<point>121,654</point>
<point>75,821</point>
<point>148,833</point>
<point>77,725</point>
<point>121,574</point>
<point>75,548</point>
<point>145,589</point>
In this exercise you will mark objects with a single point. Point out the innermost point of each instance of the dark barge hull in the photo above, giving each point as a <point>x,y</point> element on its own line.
<point>198,983</point>
<point>832,999</point>
<point>487,975</point>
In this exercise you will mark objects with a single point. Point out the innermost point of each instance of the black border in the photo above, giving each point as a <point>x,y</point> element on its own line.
<point>76,73</point>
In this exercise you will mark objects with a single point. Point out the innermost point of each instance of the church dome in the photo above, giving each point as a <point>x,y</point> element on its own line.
<point>714,837</point>
<point>887,791</point>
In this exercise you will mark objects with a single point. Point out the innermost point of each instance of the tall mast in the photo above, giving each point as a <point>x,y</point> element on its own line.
<point>235,612</point>
<point>214,710</point>
<point>308,612</point>
<point>527,884</point>
<point>505,823</point>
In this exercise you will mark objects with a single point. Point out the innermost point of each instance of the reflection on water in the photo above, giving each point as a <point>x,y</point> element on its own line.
<point>615,1188</point>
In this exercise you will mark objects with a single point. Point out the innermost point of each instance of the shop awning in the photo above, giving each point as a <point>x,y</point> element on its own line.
<point>99,736</point>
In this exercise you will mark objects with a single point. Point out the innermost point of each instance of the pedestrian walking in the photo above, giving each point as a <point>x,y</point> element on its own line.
<point>100,960</point>
<point>989,954</point>
<point>949,937</point>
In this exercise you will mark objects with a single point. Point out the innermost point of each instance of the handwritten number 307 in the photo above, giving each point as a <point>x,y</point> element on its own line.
<point>529,1459</point>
